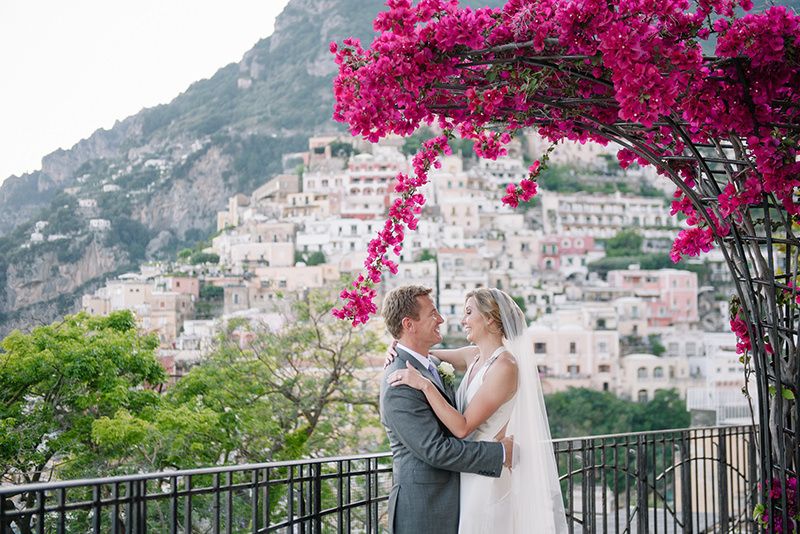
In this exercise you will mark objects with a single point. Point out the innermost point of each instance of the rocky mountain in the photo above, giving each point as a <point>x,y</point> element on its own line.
<point>161,175</point>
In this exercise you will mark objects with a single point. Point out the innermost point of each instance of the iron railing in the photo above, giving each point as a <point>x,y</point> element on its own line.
<point>692,480</point>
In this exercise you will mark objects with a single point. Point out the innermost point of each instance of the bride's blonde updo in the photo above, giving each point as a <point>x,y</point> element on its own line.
<point>487,306</point>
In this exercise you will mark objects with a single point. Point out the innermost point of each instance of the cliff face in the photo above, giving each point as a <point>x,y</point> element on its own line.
<point>40,288</point>
<point>46,277</point>
<point>191,202</point>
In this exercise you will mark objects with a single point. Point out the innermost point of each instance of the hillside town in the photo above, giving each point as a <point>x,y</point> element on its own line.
<point>630,331</point>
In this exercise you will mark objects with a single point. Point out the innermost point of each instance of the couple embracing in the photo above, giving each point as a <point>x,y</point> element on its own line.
<point>477,458</point>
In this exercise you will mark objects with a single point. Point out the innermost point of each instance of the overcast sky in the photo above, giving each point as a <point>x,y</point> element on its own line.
<point>70,67</point>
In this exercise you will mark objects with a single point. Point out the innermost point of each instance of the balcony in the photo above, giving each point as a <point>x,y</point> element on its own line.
<point>691,480</point>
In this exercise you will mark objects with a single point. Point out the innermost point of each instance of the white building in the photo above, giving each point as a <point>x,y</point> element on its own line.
<point>643,375</point>
<point>460,270</point>
<point>714,362</point>
<point>99,224</point>
<point>603,216</point>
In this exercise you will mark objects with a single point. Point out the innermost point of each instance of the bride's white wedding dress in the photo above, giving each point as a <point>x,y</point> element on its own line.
<point>527,500</point>
<point>485,501</point>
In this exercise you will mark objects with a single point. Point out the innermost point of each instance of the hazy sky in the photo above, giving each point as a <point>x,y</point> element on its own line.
<point>70,67</point>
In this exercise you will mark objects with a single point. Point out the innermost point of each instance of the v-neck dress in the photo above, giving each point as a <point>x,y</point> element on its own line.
<point>485,501</point>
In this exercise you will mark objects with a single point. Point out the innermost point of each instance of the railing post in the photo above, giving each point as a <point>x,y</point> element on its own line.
<point>722,481</point>
<point>686,483</point>
<point>254,501</point>
<point>173,505</point>
<point>187,508</point>
<point>589,515</point>
<point>97,517</point>
<point>317,467</point>
<point>641,485</point>
<point>3,526</point>
<point>369,496</point>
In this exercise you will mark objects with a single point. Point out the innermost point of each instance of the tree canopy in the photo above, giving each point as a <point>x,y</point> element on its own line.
<point>58,380</point>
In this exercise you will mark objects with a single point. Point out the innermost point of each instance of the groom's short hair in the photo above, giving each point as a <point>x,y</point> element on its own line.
<point>399,303</point>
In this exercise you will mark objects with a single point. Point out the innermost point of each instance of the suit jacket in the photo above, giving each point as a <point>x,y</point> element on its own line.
<point>427,458</point>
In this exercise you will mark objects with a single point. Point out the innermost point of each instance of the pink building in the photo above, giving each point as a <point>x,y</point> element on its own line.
<point>567,254</point>
<point>183,284</point>
<point>670,295</point>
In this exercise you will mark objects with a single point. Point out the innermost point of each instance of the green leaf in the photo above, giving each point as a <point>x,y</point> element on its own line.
<point>787,394</point>
<point>758,511</point>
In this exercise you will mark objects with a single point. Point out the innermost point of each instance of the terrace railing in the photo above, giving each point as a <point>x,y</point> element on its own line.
<point>690,480</point>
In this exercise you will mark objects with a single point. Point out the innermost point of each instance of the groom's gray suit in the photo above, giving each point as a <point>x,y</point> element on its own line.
<point>427,458</point>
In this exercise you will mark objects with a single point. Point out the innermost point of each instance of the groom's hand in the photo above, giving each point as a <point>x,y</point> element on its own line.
<point>508,448</point>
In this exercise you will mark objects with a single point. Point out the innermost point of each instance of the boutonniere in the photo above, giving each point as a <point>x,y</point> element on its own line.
<point>448,373</point>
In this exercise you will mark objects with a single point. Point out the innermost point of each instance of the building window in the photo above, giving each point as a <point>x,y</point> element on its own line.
<point>641,372</point>
<point>691,349</point>
<point>604,368</point>
<point>601,324</point>
<point>658,372</point>
<point>573,370</point>
<point>573,348</point>
<point>642,397</point>
<point>602,347</point>
<point>540,348</point>
<point>235,298</point>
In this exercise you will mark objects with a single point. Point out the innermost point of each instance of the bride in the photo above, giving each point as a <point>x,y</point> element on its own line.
<point>500,394</point>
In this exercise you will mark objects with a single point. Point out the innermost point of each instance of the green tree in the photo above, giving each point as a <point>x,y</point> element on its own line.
<point>585,412</point>
<point>413,142</point>
<point>625,243</point>
<point>656,347</point>
<point>288,394</point>
<point>521,303</point>
<point>203,257</point>
<point>316,258</point>
<point>57,381</point>
<point>341,149</point>
<point>310,258</point>
<point>131,235</point>
<point>426,255</point>
<point>665,411</point>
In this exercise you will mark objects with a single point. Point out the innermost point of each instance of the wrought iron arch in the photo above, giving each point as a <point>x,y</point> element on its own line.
<point>761,249</point>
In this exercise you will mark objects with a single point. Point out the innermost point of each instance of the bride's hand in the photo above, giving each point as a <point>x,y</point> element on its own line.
<point>391,354</point>
<point>409,377</point>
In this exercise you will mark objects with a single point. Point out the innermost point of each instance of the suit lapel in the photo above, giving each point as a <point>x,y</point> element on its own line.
<point>406,357</point>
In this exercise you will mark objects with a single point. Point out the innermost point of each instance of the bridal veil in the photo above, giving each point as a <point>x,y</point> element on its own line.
<point>537,505</point>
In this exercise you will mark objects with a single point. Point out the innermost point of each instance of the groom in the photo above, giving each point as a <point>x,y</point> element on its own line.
<point>427,458</point>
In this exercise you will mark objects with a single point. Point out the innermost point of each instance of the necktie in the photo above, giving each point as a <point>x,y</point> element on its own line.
<point>435,373</point>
